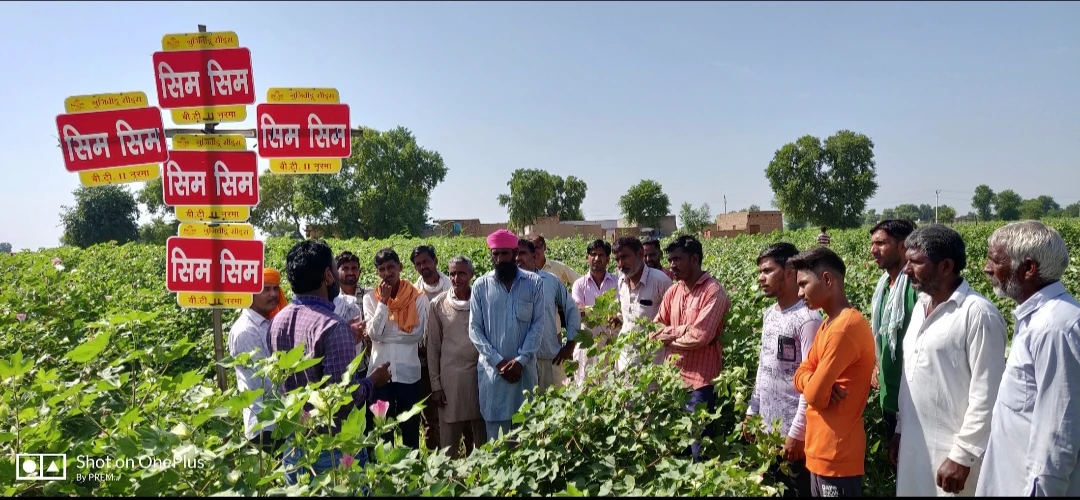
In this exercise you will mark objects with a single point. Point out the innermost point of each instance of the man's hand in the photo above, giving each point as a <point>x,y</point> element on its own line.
<point>359,330</point>
<point>838,394</point>
<point>567,352</point>
<point>894,450</point>
<point>951,476</point>
<point>510,371</point>
<point>615,322</point>
<point>746,434</point>
<point>874,382</point>
<point>381,375</point>
<point>793,449</point>
<point>438,398</point>
<point>384,291</point>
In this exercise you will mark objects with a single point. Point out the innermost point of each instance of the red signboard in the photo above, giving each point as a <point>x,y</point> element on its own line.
<point>213,265</point>
<point>304,130</point>
<point>199,78</point>
<point>117,138</point>
<point>211,178</point>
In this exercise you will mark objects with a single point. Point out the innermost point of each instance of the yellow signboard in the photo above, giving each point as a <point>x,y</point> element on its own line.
<point>209,114</point>
<point>199,41</point>
<point>281,95</point>
<point>212,300</point>
<point>206,142</point>
<point>120,175</point>
<point>104,102</point>
<point>218,231</point>
<point>206,213</point>
<point>305,165</point>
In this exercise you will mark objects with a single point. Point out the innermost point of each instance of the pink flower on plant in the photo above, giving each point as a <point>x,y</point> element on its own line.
<point>56,260</point>
<point>20,317</point>
<point>347,461</point>
<point>305,418</point>
<point>380,408</point>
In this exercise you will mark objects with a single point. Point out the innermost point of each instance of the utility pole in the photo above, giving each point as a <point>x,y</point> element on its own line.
<point>725,203</point>
<point>937,203</point>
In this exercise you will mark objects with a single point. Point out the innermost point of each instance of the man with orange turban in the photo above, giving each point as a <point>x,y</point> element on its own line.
<point>248,334</point>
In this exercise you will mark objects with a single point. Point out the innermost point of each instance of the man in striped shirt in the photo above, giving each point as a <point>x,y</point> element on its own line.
<point>823,238</point>
<point>692,313</point>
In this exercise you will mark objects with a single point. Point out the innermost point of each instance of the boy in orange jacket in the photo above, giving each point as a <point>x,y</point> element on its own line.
<point>834,379</point>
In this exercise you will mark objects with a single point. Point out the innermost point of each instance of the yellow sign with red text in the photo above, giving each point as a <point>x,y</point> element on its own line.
<point>211,300</point>
<point>216,231</point>
<point>206,142</point>
<point>209,114</point>
<point>104,102</point>
<point>120,175</point>
<point>283,95</point>
<point>206,213</point>
<point>305,165</point>
<point>199,41</point>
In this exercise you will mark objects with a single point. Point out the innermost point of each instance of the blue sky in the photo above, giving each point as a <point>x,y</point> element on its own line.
<point>695,95</point>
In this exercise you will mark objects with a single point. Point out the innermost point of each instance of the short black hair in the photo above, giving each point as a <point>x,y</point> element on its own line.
<point>601,244</point>
<point>522,242</point>
<point>939,242</point>
<point>537,240</point>
<point>897,229</point>
<point>818,260</point>
<point>347,257</point>
<point>631,242</point>
<point>428,249</point>
<point>779,253</point>
<point>823,228</point>
<point>688,244</point>
<point>653,242</point>
<point>385,255</point>
<point>305,265</point>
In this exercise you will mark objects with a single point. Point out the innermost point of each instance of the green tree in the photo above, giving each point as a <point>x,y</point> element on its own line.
<point>1050,208</point>
<point>1031,209</point>
<point>1073,210</point>
<point>1007,205</point>
<point>566,202</point>
<point>277,213</point>
<point>645,204</point>
<point>384,188</point>
<point>695,220</point>
<point>982,201</point>
<point>152,195</point>
<point>946,214</point>
<point>827,184</point>
<point>5,247</point>
<point>908,211</point>
<point>871,217</point>
<point>888,213</point>
<point>532,192</point>
<point>926,212</point>
<point>751,208</point>
<point>158,230</point>
<point>100,214</point>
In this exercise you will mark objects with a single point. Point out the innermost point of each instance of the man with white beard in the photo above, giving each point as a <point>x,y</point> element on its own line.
<point>1035,428</point>
<point>954,355</point>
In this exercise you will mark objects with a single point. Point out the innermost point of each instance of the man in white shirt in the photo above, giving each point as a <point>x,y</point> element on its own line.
<point>787,334</point>
<point>954,355</point>
<point>553,351</point>
<point>585,291</point>
<point>641,289</point>
<point>249,334</point>
<point>397,313</point>
<point>1035,429</point>
<point>348,304</point>
<point>431,284</point>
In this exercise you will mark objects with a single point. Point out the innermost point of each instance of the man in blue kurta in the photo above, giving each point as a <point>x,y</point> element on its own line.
<point>506,326</point>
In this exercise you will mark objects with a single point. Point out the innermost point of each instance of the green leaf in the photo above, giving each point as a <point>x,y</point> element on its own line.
<point>87,351</point>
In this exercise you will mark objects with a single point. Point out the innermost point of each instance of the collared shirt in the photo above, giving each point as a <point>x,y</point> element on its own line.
<point>348,307</point>
<point>248,334</point>
<point>694,319</point>
<point>953,361</point>
<point>1035,428</point>
<point>585,291</point>
<point>310,321</point>
<point>562,271</point>
<point>786,339</point>
<point>556,297</point>
<point>390,344</point>
<point>641,301</point>
<point>506,325</point>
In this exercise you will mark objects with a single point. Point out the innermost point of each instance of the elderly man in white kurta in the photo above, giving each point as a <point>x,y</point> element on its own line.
<point>954,355</point>
<point>1035,431</point>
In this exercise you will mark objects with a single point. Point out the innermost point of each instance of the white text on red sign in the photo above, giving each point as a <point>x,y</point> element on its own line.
<point>214,265</point>
<point>235,173</point>
<point>200,78</point>
<point>90,139</point>
<point>304,131</point>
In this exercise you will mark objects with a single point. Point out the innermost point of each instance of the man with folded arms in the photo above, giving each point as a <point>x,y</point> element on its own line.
<point>506,324</point>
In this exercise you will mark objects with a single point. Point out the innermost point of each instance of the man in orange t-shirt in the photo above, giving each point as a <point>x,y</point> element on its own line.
<point>834,379</point>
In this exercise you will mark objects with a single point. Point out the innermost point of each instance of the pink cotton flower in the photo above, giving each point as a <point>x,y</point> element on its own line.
<point>20,317</point>
<point>347,461</point>
<point>305,418</point>
<point>380,408</point>
<point>56,260</point>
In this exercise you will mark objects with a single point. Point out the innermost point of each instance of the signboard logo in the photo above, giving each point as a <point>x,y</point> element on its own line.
<point>40,467</point>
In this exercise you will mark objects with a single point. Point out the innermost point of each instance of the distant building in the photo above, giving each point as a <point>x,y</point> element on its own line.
<point>733,224</point>
<point>668,225</point>
<point>551,227</point>
<point>463,227</point>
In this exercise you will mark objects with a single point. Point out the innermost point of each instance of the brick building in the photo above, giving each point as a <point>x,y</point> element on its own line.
<point>733,224</point>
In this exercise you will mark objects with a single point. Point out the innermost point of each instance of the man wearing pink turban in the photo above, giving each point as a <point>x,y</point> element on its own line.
<point>506,325</point>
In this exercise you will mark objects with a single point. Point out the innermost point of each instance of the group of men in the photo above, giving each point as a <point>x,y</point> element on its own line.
<point>960,413</point>
<point>933,347</point>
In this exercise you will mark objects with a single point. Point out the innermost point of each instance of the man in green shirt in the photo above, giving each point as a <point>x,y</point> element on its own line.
<point>893,301</point>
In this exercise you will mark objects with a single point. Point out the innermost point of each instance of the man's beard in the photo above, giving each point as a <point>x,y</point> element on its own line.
<point>1009,291</point>
<point>506,271</point>
<point>332,291</point>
